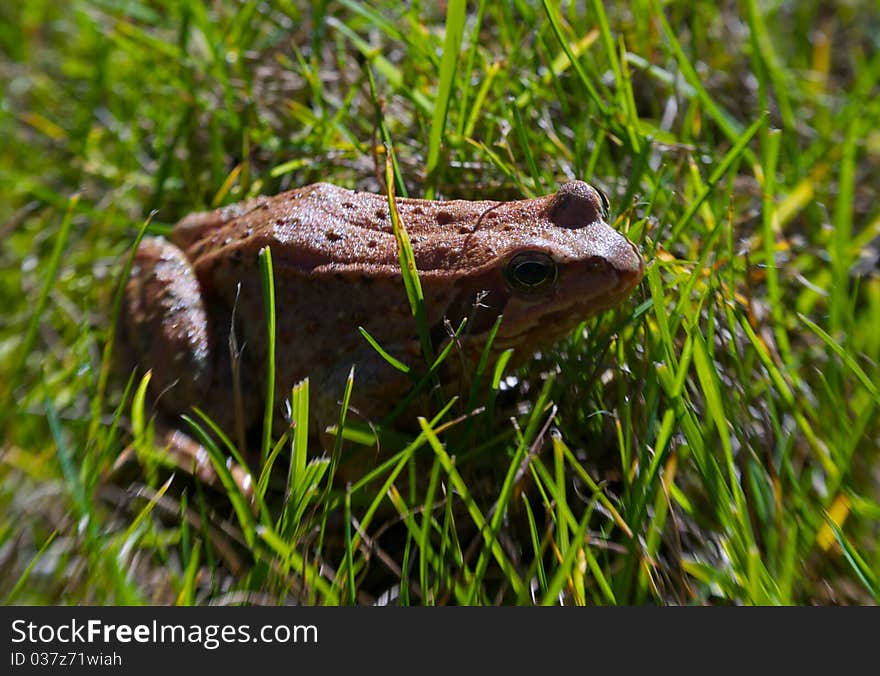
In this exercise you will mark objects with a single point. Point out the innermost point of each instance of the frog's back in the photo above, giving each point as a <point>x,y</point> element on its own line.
<point>320,225</point>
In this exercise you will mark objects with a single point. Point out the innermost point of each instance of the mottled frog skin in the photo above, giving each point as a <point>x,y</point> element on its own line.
<point>545,264</point>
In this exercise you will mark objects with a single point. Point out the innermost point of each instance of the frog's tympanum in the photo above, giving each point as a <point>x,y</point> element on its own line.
<point>544,264</point>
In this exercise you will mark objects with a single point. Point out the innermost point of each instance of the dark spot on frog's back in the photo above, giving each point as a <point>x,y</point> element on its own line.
<point>443,218</point>
<point>575,205</point>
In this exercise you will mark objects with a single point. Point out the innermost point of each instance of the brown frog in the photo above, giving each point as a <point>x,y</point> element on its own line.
<point>545,264</point>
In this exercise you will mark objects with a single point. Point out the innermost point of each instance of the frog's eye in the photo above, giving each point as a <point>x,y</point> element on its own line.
<point>531,271</point>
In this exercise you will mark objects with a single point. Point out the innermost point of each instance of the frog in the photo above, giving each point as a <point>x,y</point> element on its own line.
<point>194,310</point>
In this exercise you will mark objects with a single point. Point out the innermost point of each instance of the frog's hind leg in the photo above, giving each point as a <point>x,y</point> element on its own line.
<point>166,325</point>
<point>166,330</point>
<point>177,450</point>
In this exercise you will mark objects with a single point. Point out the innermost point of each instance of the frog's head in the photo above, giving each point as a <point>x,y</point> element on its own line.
<point>545,264</point>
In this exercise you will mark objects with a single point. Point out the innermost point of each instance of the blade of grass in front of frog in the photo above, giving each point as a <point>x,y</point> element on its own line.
<point>425,380</point>
<point>655,527</point>
<point>30,334</point>
<point>477,380</point>
<point>405,514</point>
<point>340,423</point>
<point>299,400</point>
<point>504,563</point>
<point>224,440</point>
<point>419,534</point>
<point>708,377</point>
<point>563,573</point>
<point>93,464</point>
<point>232,449</point>
<point>142,433</point>
<point>230,486</point>
<point>349,550</point>
<point>427,555</point>
<point>404,589</point>
<point>538,547</point>
<point>600,496</point>
<point>130,532</point>
<point>396,363</point>
<point>497,374</point>
<point>306,490</point>
<point>304,476</point>
<point>534,430</point>
<point>334,461</point>
<point>451,551</point>
<point>73,484</point>
<point>497,514</point>
<point>266,470</point>
<point>408,265</point>
<point>268,281</point>
<point>396,465</point>
<point>121,588</point>
<point>386,137</point>
<point>645,486</point>
<point>291,559</point>
<point>594,487</point>
<point>454,33</point>
<point>187,594</point>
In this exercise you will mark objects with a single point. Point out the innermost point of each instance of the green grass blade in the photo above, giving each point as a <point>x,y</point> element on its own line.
<point>268,281</point>
<point>39,307</point>
<point>408,266</point>
<point>455,20</point>
<point>739,148</point>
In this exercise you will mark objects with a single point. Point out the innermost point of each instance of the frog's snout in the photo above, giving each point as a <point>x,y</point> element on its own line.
<point>627,261</point>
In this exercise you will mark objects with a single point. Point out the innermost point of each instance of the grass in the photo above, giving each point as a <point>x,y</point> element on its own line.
<point>715,440</point>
